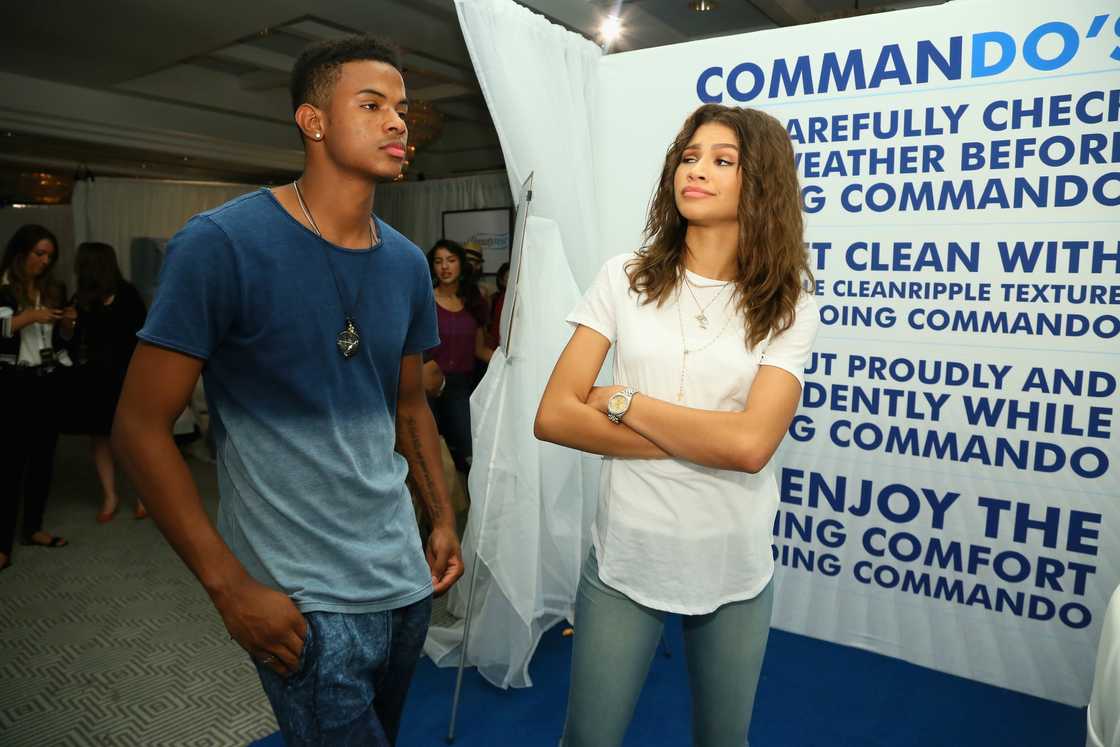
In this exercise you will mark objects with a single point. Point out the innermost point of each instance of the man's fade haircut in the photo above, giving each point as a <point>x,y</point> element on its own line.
<point>318,68</point>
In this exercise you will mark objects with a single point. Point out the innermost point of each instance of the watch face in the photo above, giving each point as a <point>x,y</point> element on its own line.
<point>616,403</point>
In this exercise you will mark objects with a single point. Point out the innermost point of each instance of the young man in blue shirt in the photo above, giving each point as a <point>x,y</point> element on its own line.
<point>307,318</point>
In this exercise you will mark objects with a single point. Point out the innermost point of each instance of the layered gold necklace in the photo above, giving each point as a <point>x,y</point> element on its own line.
<point>702,320</point>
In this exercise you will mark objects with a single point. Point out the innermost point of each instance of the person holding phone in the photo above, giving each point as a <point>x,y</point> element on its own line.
<point>34,327</point>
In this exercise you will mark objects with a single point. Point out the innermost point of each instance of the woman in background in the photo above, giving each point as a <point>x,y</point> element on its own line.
<point>110,313</point>
<point>461,312</point>
<point>712,330</point>
<point>34,327</point>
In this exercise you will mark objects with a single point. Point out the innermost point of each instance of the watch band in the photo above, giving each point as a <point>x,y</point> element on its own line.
<point>628,393</point>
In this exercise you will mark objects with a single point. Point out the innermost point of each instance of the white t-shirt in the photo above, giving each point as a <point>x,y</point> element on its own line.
<point>33,337</point>
<point>670,534</point>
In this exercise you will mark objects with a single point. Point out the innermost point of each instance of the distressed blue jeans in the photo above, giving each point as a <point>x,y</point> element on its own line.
<point>615,641</point>
<point>352,679</point>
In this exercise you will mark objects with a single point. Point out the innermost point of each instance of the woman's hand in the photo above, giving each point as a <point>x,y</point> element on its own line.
<point>68,317</point>
<point>433,379</point>
<point>42,316</point>
<point>599,396</point>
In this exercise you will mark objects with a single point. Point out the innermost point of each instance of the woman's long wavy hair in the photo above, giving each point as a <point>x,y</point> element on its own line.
<point>467,288</point>
<point>26,238</point>
<point>772,261</point>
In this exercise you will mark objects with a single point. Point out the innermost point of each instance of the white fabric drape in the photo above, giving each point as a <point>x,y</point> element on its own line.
<point>531,503</point>
<point>1103,715</point>
<point>116,211</point>
<point>538,83</point>
<point>416,208</point>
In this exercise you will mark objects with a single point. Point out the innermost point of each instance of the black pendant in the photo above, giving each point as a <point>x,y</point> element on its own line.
<point>348,339</point>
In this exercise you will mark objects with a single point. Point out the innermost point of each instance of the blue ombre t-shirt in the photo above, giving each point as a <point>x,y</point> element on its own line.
<point>313,498</point>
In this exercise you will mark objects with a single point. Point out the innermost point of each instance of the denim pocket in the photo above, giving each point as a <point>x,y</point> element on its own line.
<point>305,653</point>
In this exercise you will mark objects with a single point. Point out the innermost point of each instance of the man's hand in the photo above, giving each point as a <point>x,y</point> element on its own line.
<point>265,623</point>
<point>444,558</point>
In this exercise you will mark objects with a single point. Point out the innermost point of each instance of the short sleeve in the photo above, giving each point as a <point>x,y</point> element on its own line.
<point>423,327</point>
<point>596,309</point>
<point>791,349</point>
<point>6,314</point>
<point>198,295</point>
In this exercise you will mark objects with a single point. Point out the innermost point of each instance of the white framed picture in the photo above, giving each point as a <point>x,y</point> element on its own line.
<point>490,230</point>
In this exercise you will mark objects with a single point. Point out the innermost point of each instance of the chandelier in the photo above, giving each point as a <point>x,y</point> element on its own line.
<point>43,188</point>
<point>424,125</point>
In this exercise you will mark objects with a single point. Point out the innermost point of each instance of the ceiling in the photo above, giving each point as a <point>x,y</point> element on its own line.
<point>198,89</point>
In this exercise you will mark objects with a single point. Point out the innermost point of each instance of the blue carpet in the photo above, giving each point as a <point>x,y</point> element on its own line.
<point>812,694</point>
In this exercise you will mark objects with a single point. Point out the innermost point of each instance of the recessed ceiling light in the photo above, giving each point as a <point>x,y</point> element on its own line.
<point>702,5</point>
<point>610,29</point>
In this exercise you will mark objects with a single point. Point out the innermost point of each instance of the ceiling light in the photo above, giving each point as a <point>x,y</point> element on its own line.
<point>610,29</point>
<point>702,5</point>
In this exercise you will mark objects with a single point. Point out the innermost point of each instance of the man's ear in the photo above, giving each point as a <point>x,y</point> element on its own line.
<point>310,121</point>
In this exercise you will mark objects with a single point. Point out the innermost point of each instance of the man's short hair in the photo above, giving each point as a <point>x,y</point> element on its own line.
<point>317,70</point>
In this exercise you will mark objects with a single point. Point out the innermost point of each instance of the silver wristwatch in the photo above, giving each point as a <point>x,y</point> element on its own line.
<point>619,403</point>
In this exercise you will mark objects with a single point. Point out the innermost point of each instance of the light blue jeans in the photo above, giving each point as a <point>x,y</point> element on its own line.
<point>615,641</point>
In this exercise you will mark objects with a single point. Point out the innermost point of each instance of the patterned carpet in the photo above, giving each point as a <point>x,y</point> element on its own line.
<point>111,641</point>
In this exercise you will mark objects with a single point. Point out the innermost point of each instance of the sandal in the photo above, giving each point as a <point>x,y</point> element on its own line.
<point>54,542</point>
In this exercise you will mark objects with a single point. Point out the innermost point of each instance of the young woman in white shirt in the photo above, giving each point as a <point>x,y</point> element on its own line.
<point>712,330</point>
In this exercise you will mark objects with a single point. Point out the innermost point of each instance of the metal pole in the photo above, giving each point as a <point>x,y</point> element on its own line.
<point>474,583</point>
<point>463,650</point>
<point>523,213</point>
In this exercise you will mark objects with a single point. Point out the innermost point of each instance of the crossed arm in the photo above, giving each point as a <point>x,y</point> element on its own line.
<point>572,413</point>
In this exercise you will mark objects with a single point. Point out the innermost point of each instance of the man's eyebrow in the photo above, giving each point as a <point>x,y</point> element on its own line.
<point>375,92</point>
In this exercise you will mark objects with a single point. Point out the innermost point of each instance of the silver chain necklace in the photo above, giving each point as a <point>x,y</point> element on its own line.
<point>684,346</point>
<point>348,339</point>
<point>702,318</point>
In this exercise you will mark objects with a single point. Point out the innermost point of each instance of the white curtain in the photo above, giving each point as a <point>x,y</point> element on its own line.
<point>416,208</point>
<point>116,211</point>
<point>539,81</point>
<point>531,502</point>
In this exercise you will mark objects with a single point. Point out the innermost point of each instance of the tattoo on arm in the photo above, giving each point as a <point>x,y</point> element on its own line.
<point>419,472</point>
